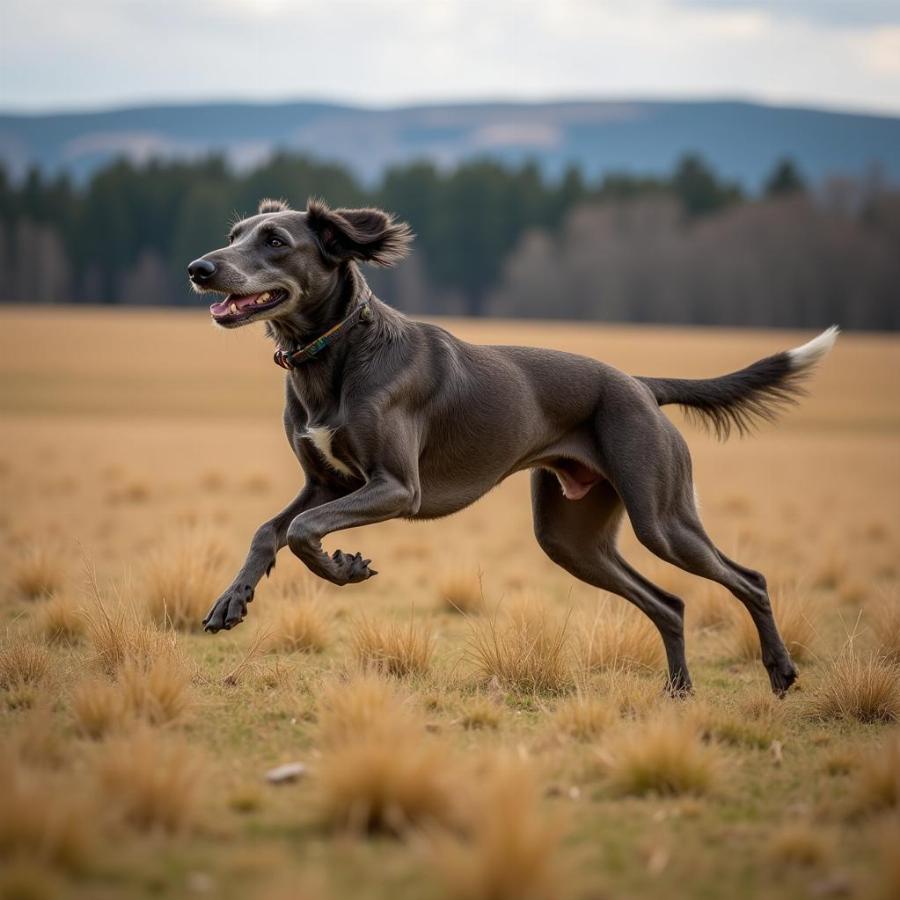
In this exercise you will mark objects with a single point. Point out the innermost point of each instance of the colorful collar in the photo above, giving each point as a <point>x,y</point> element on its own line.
<point>290,359</point>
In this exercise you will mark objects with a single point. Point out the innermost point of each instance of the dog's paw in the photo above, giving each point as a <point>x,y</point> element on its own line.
<point>782,675</point>
<point>352,568</point>
<point>229,610</point>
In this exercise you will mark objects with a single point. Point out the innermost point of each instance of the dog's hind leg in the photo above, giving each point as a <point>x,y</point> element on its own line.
<point>659,498</point>
<point>580,535</point>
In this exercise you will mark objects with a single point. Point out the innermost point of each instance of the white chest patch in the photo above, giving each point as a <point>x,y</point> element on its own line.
<point>321,438</point>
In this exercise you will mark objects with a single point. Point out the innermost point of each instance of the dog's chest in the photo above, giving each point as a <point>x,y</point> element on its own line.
<point>322,437</point>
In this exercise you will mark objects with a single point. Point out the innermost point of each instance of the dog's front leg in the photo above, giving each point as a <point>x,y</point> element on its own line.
<point>382,497</point>
<point>229,610</point>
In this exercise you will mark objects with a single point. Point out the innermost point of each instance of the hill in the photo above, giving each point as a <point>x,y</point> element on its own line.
<point>741,140</point>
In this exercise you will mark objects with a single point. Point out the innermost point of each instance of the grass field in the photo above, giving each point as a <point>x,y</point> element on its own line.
<point>473,722</point>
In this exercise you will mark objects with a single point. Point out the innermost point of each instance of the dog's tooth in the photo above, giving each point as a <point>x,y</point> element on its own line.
<point>263,298</point>
<point>233,309</point>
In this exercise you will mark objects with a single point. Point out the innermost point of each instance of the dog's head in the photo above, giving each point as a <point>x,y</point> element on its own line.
<point>281,261</point>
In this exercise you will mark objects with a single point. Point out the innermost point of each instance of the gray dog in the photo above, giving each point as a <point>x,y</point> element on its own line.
<point>392,418</point>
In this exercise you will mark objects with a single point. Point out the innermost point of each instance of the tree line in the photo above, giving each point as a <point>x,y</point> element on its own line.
<point>691,247</point>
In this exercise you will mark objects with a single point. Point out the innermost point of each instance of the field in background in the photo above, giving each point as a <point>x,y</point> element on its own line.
<point>522,746</point>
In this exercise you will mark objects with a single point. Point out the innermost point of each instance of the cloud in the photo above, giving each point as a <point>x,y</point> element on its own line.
<point>102,52</point>
<point>836,13</point>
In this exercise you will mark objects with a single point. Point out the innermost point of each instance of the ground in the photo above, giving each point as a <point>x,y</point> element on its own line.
<point>473,722</point>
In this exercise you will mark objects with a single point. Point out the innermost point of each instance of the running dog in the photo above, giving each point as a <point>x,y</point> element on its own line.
<point>393,418</point>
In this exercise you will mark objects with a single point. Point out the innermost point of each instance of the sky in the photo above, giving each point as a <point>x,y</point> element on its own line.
<point>836,54</point>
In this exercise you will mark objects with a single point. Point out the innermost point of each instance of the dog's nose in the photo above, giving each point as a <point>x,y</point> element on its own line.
<point>201,269</point>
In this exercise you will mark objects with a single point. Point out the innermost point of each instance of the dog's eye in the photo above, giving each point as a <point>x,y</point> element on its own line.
<point>275,242</point>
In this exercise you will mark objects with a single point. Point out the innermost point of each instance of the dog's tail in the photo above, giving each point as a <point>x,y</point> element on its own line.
<point>742,398</point>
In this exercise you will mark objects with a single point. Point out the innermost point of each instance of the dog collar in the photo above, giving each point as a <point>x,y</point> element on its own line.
<point>290,359</point>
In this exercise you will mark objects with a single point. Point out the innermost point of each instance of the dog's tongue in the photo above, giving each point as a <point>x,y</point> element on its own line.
<point>224,307</point>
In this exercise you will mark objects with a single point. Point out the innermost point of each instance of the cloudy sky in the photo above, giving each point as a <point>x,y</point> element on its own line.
<point>831,53</point>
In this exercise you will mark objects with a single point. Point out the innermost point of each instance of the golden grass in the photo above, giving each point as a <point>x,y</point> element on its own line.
<point>817,480</point>
<point>635,695</point>
<point>380,770</point>
<point>299,626</point>
<point>181,581</point>
<point>157,691</point>
<point>393,648</point>
<point>753,725</point>
<point>663,756</point>
<point>37,572</point>
<point>883,615</point>
<point>358,705</point>
<point>152,780</point>
<point>23,663</point>
<point>799,844</point>
<point>461,591</point>
<point>480,711</point>
<point>39,821</point>
<point>619,637</point>
<point>860,686</point>
<point>60,620</point>
<point>117,633</point>
<point>525,650</point>
<point>794,617</point>
<point>887,840</point>
<point>585,717</point>
<point>510,849</point>
<point>708,608</point>
<point>98,707</point>
<point>876,783</point>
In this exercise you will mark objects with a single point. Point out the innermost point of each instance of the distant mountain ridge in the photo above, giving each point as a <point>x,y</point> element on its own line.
<point>741,140</point>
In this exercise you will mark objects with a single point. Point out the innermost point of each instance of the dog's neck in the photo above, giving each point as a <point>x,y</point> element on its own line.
<point>319,314</point>
<point>317,383</point>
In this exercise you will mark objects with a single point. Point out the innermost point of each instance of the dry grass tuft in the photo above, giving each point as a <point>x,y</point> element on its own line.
<point>854,686</point>
<point>792,614</point>
<point>799,844</point>
<point>37,572</point>
<point>155,691</point>
<point>525,651</point>
<point>358,705</point>
<point>299,626</point>
<point>98,707</point>
<point>182,580</point>
<point>392,648</point>
<point>39,821</point>
<point>584,717</point>
<point>480,712</point>
<point>461,591</point>
<point>707,608</point>
<point>60,620</point>
<point>24,666</point>
<point>664,756</point>
<point>152,779</point>
<point>883,615</point>
<point>159,691</point>
<point>737,729</point>
<point>632,694</point>
<point>510,851</point>
<point>620,637</point>
<point>118,635</point>
<point>380,770</point>
<point>876,786</point>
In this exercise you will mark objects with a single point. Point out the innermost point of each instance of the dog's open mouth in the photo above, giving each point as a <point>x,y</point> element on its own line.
<point>237,308</point>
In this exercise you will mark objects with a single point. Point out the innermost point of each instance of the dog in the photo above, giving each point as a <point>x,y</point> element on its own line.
<point>394,418</point>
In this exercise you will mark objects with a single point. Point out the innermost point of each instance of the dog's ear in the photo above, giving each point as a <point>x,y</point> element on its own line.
<point>268,205</point>
<point>368,235</point>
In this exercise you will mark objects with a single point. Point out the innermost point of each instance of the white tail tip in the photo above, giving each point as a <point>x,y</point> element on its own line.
<point>812,351</point>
